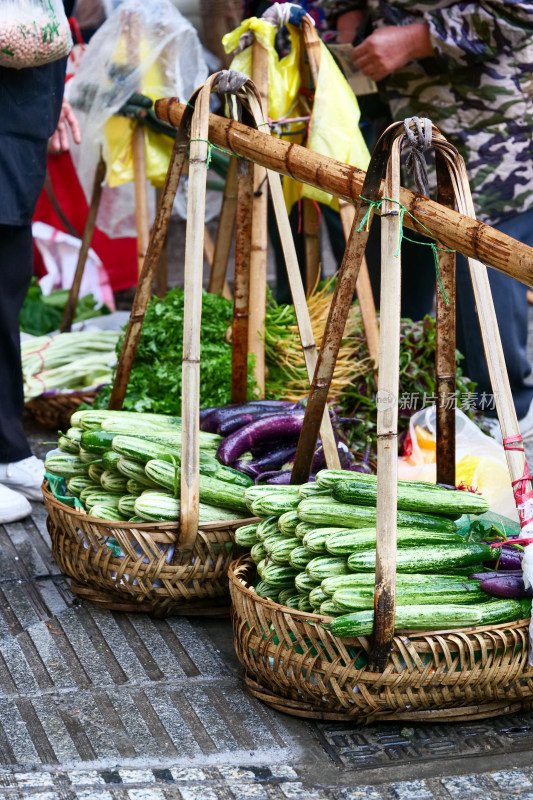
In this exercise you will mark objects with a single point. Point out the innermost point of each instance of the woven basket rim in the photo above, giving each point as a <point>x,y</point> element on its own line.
<point>51,395</point>
<point>245,562</point>
<point>81,515</point>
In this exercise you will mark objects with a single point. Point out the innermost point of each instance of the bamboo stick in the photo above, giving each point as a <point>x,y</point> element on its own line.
<point>144,287</point>
<point>226,225</point>
<point>387,416</point>
<point>258,255</point>
<point>161,278</point>
<point>241,288</point>
<point>312,244</point>
<point>192,315</point>
<point>88,231</point>
<point>445,343</point>
<point>453,229</point>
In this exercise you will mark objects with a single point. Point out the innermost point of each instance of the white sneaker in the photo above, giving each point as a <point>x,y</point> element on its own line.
<point>24,476</point>
<point>13,506</point>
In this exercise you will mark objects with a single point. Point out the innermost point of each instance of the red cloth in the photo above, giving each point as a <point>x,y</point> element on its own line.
<point>119,256</point>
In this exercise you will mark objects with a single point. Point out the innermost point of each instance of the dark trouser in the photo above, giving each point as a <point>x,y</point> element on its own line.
<point>16,266</point>
<point>511,306</point>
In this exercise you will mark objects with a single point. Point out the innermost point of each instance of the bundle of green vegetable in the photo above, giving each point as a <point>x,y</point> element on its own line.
<point>67,362</point>
<point>42,313</point>
<point>155,380</point>
<point>315,550</point>
<point>126,466</point>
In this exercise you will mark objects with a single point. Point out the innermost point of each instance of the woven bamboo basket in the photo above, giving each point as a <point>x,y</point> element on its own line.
<point>148,577</point>
<point>296,666</point>
<point>53,411</point>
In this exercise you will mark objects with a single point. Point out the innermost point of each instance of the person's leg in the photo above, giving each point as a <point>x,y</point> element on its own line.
<point>16,265</point>
<point>511,306</point>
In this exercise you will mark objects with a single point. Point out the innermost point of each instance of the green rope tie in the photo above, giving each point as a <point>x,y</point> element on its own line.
<point>210,148</point>
<point>263,123</point>
<point>401,235</point>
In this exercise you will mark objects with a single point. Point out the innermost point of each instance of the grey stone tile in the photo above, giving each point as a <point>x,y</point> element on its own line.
<point>188,775</point>
<point>243,791</point>
<point>17,597</point>
<point>25,780</point>
<point>54,727</point>
<point>17,733</point>
<point>52,659</point>
<point>118,644</point>
<point>174,724</point>
<point>282,771</point>
<point>18,667</point>
<point>198,793</point>
<point>136,775</point>
<point>157,647</point>
<point>411,790</point>
<point>463,786</point>
<point>230,773</point>
<point>90,658</point>
<point>85,777</point>
<point>510,780</point>
<point>94,794</point>
<point>360,793</point>
<point>296,791</point>
<point>205,658</point>
<point>146,793</point>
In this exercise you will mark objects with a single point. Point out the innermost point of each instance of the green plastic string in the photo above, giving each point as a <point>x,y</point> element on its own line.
<point>263,123</point>
<point>401,235</point>
<point>210,148</point>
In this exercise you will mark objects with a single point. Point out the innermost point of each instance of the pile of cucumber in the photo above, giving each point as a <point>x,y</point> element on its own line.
<point>315,550</point>
<point>125,466</point>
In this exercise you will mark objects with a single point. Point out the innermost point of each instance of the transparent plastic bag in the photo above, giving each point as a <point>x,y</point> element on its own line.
<point>33,33</point>
<point>479,460</point>
<point>144,46</point>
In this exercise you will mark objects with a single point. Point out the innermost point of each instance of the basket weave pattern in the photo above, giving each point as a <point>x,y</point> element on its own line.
<point>150,575</point>
<point>295,665</point>
<point>54,410</point>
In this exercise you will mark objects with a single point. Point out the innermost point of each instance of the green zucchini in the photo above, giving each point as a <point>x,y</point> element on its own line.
<point>213,491</point>
<point>126,505</point>
<point>110,460</point>
<point>86,456</point>
<point>96,470</point>
<point>134,469</point>
<point>285,594</point>
<point>421,559</point>
<point>97,441</point>
<point>280,552</point>
<point>328,478</point>
<point>272,539</point>
<point>107,512</point>
<point>66,445</point>
<point>416,617</point>
<point>113,482</point>
<point>504,610</point>
<point>304,583</point>
<point>356,598</point>
<point>293,601</point>
<point>306,527</point>
<point>278,504</point>
<point>300,557</point>
<point>287,523</point>
<point>352,540</point>
<point>100,497</point>
<point>328,511</point>
<point>143,450</point>
<point>74,434</point>
<point>360,579</point>
<point>304,604</point>
<point>78,483</point>
<point>317,597</point>
<point>325,567</point>
<point>230,475</point>
<point>246,535</point>
<point>262,490</point>
<point>136,488</point>
<point>315,541</point>
<point>433,501</point>
<point>276,575</point>
<point>329,609</point>
<point>264,589</point>
<point>160,507</point>
<point>311,490</point>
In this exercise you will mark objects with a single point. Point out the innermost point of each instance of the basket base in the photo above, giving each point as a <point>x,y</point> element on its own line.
<point>300,708</point>
<point>111,602</point>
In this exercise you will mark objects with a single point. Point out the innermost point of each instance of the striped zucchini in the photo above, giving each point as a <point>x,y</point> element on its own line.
<point>258,552</point>
<point>328,511</point>
<point>300,557</point>
<point>264,589</point>
<point>261,490</point>
<point>113,482</point>
<point>97,441</point>
<point>315,541</point>
<point>329,609</point>
<point>421,559</point>
<point>305,527</point>
<point>230,475</point>
<point>110,460</point>
<point>355,599</point>
<point>353,540</point>
<point>78,483</point>
<point>272,539</point>
<point>433,501</point>
<point>328,478</point>
<point>160,507</point>
<point>293,601</point>
<point>278,504</point>
<point>267,527</point>
<point>311,490</point>
<point>304,604</point>
<point>133,469</point>
<point>287,523</point>
<point>280,552</point>
<point>317,597</point>
<point>213,491</point>
<point>246,535</point>
<point>285,594</point>
<point>100,498</point>
<point>276,575</point>
<point>304,583</point>
<point>86,457</point>
<point>126,505</point>
<point>65,465</point>
<point>362,579</point>
<point>66,445</point>
<point>418,617</point>
<point>96,470</point>
<point>143,450</point>
<point>107,512</point>
<point>136,488</point>
<point>325,567</point>
<point>74,434</point>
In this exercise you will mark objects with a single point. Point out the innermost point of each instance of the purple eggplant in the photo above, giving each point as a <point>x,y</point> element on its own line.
<point>273,459</point>
<point>212,420</point>
<point>204,412</point>
<point>488,576</point>
<point>239,420</point>
<point>506,586</point>
<point>246,467</point>
<point>282,477</point>
<point>261,430</point>
<point>506,558</point>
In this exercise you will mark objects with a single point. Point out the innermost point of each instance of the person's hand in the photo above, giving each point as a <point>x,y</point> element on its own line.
<point>391,47</point>
<point>59,142</point>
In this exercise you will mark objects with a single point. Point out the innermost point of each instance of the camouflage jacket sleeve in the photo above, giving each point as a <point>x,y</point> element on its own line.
<point>469,33</point>
<point>336,8</point>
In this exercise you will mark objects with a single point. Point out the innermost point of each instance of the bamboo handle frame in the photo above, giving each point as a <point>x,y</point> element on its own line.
<point>226,225</point>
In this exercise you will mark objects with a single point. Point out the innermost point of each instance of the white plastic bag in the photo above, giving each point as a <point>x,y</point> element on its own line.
<point>33,33</point>
<point>144,45</point>
<point>60,253</point>
<point>479,460</point>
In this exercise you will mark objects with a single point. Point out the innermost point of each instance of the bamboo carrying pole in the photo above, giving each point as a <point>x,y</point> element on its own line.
<point>311,229</point>
<point>258,255</point>
<point>453,229</point>
<point>88,231</point>
<point>241,288</point>
<point>161,278</point>
<point>387,415</point>
<point>363,287</point>
<point>226,225</point>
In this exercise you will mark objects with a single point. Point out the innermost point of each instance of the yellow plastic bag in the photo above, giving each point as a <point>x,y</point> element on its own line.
<point>118,132</point>
<point>334,127</point>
